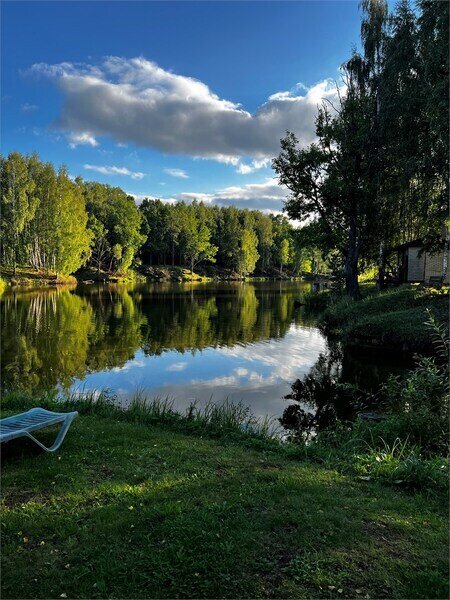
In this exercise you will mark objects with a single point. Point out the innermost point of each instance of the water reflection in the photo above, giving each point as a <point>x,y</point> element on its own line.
<point>338,386</point>
<point>242,341</point>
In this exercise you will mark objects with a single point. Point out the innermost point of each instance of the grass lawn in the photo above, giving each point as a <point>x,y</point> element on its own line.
<point>138,511</point>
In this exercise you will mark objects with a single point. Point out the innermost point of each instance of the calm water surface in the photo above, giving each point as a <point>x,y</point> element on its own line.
<point>242,341</point>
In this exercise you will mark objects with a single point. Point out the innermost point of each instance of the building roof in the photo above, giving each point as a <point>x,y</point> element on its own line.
<point>412,244</point>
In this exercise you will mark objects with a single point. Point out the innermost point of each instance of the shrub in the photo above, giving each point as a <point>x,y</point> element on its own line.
<point>318,301</point>
<point>400,464</point>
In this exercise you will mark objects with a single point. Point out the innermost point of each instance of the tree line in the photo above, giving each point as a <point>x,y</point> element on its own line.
<point>241,240</point>
<point>55,224</point>
<point>378,174</point>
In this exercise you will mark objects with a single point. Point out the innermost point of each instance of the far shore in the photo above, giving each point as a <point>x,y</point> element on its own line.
<point>28,277</point>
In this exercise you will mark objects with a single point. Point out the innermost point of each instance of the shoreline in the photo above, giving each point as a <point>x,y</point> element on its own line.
<point>26,278</point>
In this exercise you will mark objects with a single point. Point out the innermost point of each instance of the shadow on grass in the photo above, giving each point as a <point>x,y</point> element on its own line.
<point>126,511</point>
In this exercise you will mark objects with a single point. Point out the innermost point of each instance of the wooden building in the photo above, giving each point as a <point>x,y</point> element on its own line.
<point>415,265</point>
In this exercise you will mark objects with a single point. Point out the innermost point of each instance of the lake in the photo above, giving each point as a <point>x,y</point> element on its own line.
<point>245,342</point>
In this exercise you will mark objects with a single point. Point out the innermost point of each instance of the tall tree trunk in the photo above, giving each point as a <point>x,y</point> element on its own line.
<point>351,265</point>
<point>381,281</point>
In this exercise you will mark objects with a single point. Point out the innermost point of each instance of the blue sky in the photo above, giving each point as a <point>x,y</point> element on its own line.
<point>170,99</point>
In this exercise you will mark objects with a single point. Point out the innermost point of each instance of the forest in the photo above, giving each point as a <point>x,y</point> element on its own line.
<point>377,176</point>
<point>56,224</point>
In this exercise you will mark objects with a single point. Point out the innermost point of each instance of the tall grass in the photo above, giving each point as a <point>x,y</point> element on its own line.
<point>366,450</point>
<point>221,420</point>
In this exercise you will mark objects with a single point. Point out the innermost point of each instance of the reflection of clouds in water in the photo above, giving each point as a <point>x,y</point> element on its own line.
<point>258,375</point>
<point>180,366</point>
<point>297,350</point>
<point>131,364</point>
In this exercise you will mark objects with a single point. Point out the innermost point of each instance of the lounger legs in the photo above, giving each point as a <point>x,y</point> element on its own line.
<point>60,437</point>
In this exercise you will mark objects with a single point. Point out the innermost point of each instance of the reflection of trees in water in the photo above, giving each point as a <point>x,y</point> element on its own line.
<point>52,336</point>
<point>118,324</point>
<point>186,322</point>
<point>44,338</point>
<point>338,386</point>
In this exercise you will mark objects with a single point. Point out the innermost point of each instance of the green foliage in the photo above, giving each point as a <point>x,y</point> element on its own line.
<point>73,239</point>
<point>284,252</point>
<point>378,174</point>
<point>404,443</point>
<point>248,252</point>
<point>57,226</point>
<point>18,205</point>
<point>195,239</point>
<point>422,405</point>
<point>48,212</point>
<point>318,301</point>
<point>242,241</point>
<point>126,259</point>
<point>117,225</point>
<point>400,464</point>
<point>394,319</point>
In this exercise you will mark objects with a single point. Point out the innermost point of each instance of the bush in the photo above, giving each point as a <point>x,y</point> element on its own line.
<point>318,301</point>
<point>399,464</point>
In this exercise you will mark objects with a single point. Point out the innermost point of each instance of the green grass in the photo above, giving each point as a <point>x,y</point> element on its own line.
<point>394,319</point>
<point>130,510</point>
<point>234,421</point>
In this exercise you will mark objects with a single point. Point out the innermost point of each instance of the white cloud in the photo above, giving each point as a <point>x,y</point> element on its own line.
<point>297,351</point>
<point>112,170</point>
<point>200,196</point>
<point>180,366</point>
<point>267,196</point>
<point>82,138</point>
<point>177,173</point>
<point>138,198</point>
<point>241,372</point>
<point>131,364</point>
<point>134,100</point>
<point>245,169</point>
<point>26,107</point>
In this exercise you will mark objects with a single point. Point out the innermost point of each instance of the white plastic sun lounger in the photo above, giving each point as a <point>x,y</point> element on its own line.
<point>32,420</point>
